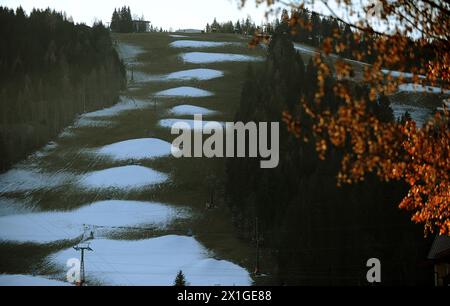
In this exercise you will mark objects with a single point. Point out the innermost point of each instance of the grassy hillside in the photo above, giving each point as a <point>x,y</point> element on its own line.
<point>190,178</point>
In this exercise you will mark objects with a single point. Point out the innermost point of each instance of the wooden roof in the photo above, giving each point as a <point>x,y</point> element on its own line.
<point>440,248</point>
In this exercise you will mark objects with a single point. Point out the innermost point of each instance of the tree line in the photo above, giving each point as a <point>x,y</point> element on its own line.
<point>317,233</point>
<point>243,27</point>
<point>123,22</point>
<point>310,28</point>
<point>50,70</point>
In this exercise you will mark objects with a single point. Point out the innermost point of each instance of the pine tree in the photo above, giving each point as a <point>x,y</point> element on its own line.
<point>115,21</point>
<point>238,27</point>
<point>215,26</point>
<point>349,41</point>
<point>122,21</point>
<point>180,280</point>
<point>316,29</point>
<point>129,23</point>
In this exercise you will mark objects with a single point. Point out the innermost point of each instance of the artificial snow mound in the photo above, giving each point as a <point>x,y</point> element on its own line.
<point>123,105</point>
<point>182,110</point>
<point>199,44</point>
<point>125,178</point>
<point>104,216</point>
<point>200,74</point>
<point>190,123</point>
<point>178,36</point>
<point>136,149</point>
<point>400,74</point>
<point>411,87</point>
<point>184,91</point>
<point>24,179</point>
<point>205,57</point>
<point>28,280</point>
<point>155,261</point>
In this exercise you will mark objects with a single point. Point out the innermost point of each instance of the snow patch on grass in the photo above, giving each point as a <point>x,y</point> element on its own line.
<point>411,87</point>
<point>193,124</point>
<point>199,44</point>
<point>98,118</point>
<point>128,53</point>
<point>183,110</point>
<point>205,57</point>
<point>155,262</point>
<point>200,74</point>
<point>419,114</point>
<point>28,280</point>
<point>99,217</point>
<point>313,51</point>
<point>23,179</point>
<point>185,75</point>
<point>67,133</point>
<point>125,104</point>
<point>305,49</point>
<point>398,74</point>
<point>184,91</point>
<point>45,150</point>
<point>136,149</point>
<point>125,178</point>
<point>90,122</point>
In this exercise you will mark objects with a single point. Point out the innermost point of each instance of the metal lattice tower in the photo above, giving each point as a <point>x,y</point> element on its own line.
<point>82,248</point>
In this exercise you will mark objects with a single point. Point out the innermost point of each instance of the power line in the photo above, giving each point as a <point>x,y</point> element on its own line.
<point>104,261</point>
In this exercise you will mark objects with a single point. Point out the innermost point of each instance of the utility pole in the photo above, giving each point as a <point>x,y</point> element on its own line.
<point>84,96</point>
<point>82,248</point>
<point>257,270</point>
<point>132,73</point>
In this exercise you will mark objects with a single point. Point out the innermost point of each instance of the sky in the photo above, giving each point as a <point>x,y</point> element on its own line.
<point>175,14</point>
<point>169,14</point>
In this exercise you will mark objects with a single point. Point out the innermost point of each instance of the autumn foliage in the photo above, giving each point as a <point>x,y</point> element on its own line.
<point>393,150</point>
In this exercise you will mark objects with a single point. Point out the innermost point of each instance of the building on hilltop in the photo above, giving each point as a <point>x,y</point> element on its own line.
<point>140,26</point>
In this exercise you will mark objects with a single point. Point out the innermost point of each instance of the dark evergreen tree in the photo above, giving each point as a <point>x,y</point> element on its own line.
<point>383,109</point>
<point>50,70</point>
<point>180,280</point>
<point>316,30</point>
<point>238,28</point>
<point>318,233</point>
<point>215,26</point>
<point>405,117</point>
<point>122,21</point>
<point>115,21</point>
